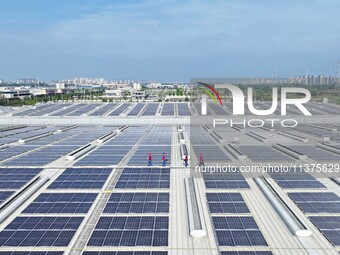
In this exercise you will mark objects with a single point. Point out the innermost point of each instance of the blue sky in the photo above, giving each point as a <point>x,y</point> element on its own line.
<point>167,40</point>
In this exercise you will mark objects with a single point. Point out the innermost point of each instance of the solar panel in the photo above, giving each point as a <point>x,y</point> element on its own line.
<point>218,110</point>
<point>31,252</point>
<point>311,202</point>
<point>238,231</point>
<point>226,203</point>
<point>210,153</point>
<point>137,109</point>
<point>62,203</point>
<point>130,231</point>
<point>104,109</point>
<point>117,111</point>
<point>144,178</point>
<point>296,180</point>
<point>168,109</point>
<point>138,203</point>
<point>124,253</point>
<point>263,153</point>
<point>183,109</point>
<point>315,153</point>
<point>40,231</point>
<point>15,178</point>
<point>329,226</point>
<point>151,109</point>
<point>141,155</point>
<point>4,195</point>
<point>81,178</point>
<point>225,181</point>
<point>246,253</point>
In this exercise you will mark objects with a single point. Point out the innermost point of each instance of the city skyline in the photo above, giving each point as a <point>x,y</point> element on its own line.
<point>167,40</point>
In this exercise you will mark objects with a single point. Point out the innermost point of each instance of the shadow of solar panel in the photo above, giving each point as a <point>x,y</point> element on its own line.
<point>81,178</point>
<point>238,231</point>
<point>40,231</point>
<point>138,203</point>
<point>130,231</point>
<point>329,227</point>
<point>62,203</point>
<point>142,178</point>
<point>226,203</point>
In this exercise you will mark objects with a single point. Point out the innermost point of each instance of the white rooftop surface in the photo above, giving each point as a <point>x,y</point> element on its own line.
<point>141,131</point>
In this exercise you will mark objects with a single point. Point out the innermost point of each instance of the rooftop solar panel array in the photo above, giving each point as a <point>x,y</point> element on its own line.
<point>31,252</point>
<point>61,203</point>
<point>198,106</point>
<point>48,154</point>
<point>296,180</point>
<point>156,142</point>
<point>315,153</point>
<point>119,110</point>
<point>78,178</point>
<point>136,110</point>
<point>226,203</point>
<point>144,178</point>
<point>49,110</point>
<point>4,195</point>
<point>329,226</point>
<point>131,231</point>
<point>150,109</point>
<point>225,181</point>
<point>183,109</point>
<point>123,253</point>
<point>246,253</point>
<point>39,231</point>
<point>238,231</point>
<point>67,109</point>
<point>325,202</point>
<point>101,111</point>
<point>33,110</point>
<point>218,110</point>
<point>16,178</point>
<point>112,152</point>
<point>138,203</point>
<point>168,109</point>
<point>83,110</point>
<point>263,153</point>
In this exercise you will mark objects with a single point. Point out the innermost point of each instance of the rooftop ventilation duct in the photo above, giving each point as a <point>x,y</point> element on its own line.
<point>197,227</point>
<point>285,213</point>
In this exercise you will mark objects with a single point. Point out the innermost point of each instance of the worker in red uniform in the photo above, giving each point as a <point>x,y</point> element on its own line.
<point>164,159</point>
<point>149,159</point>
<point>201,160</point>
<point>186,158</point>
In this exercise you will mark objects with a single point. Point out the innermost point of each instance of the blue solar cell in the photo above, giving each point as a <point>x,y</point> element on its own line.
<point>81,178</point>
<point>142,178</point>
<point>62,203</point>
<point>246,253</point>
<point>238,231</point>
<point>130,231</point>
<point>40,231</point>
<point>138,203</point>
<point>329,226</point>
